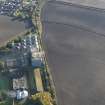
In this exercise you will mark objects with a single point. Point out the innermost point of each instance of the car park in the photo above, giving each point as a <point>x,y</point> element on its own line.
<point>9,5</point>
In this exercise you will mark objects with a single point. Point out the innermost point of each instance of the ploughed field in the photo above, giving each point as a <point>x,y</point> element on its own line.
<point>9,28</point>
<point>74,39</point>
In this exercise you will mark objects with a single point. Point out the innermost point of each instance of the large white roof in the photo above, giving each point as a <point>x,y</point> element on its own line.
<point>22,94</point>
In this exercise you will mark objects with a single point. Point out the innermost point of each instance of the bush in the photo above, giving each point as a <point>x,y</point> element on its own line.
<point>17,40</point>
<point>9,45</point>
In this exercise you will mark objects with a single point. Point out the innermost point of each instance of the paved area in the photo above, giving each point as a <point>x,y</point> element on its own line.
<point>75,44</point>
<point>92,3</point>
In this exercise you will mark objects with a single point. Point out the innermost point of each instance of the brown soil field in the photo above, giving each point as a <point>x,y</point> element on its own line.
<point>74,39</point>
<point>9,28</point>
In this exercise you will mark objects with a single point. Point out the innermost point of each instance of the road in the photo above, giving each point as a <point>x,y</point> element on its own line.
<point>74,38</point>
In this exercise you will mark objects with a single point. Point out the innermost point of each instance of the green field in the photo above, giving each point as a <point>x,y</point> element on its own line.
<point>4,86</point>
<point>4,82</point>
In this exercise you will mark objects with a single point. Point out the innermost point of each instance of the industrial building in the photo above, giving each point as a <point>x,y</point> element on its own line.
<point>21,94</point>
<point>19,90</point>
<point>20,83</point>
<point>36,58</point>
<point>11,63</point>
<point>18,94</point>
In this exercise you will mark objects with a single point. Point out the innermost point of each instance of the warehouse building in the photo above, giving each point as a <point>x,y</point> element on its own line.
<point>11,63</point>
<point>18,94</point>
<point>20,83</point>
<point>36,58</point>
<point>21,94</point>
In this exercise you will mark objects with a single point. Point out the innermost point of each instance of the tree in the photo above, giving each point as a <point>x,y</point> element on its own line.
<point>17,40</point>
<point>9,45</point>
<point>43,98</point>
<point>1,65</point>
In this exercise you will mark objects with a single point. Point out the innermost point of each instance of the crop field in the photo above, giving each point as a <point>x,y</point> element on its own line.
<point>9,28</point>
<point>74,39</point>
